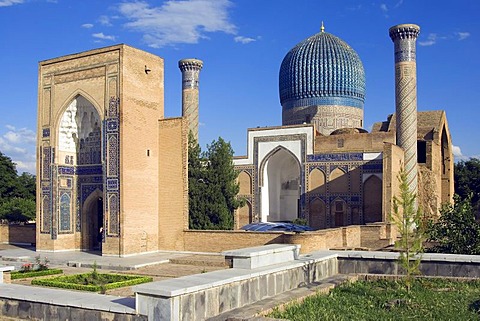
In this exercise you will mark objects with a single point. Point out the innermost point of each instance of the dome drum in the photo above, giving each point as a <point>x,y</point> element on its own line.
<point>326,119</point>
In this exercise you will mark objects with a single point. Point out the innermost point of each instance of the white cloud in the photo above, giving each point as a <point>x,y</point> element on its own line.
<point>398,4</point>
<point>431,40</point>
<point>457,152</point>
<point>22,166</point>
<point>244,40</point>
<point>102,36</point>
<point>8,3</point>
<point>458,155</point>
<point>462,35</point>
<point>384,7</point>
<point>104,20</point>
<point>87,25</point>
<point>174,22</point>
<point>22,135</point>
<point>9,149</point>
<point>19,145</point>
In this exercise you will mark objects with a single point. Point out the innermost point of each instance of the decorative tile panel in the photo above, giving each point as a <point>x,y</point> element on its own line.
<point>66,170</point>
<point>335,157</point>
<point>112,170</point>
<point>89,170</point>
<point>46,183</point>
<point>65,212</point>
<point>45,132</point>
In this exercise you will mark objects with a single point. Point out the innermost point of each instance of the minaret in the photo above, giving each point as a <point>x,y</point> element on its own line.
<point>404,37</point>
<point>190,69</point>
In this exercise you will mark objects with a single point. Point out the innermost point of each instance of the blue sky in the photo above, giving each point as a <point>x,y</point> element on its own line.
<point>242,44</point>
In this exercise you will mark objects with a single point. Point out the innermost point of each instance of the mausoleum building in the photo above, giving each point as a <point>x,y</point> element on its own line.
<point>112,170</point>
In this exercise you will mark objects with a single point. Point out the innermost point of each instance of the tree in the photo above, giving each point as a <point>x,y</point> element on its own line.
<point>409,221</point>
<point>456,231</point>
<point>17,210</point>
<point>17,193</point>
<point>196,186</point>
<point>8,178</point>
<point>213,186</point>
<point>223,185</point>
<point>467,182</point>
<point>26,186</point>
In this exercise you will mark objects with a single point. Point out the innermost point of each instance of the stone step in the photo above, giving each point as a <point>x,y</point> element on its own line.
<point>201,260</point>
<point>262,256</point>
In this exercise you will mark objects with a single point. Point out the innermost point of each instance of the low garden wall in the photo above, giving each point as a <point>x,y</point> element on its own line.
<point>432,264</point>
<point>17,234</point>
<point>353,236</point>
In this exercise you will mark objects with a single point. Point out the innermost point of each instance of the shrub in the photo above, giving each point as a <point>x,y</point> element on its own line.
<point>456,231</point>
<point>300,221</point>
<point>41,266</point>
<point>23,274</point>
<point>85,281</point>
<point>26,267</point>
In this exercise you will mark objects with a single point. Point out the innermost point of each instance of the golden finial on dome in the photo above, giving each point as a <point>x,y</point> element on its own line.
<point>322,28</point>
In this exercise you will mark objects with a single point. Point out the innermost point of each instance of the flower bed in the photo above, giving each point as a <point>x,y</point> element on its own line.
<point>94,282</point>
<point>30,274</point>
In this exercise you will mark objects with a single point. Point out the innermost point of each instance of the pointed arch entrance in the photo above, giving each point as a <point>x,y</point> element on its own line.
<point>281,190</point>
<point>92,221</point>
<point>79,157</point>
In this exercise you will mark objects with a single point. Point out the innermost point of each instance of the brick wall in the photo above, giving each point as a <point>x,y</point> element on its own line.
<point>141,106</point>
<point>173,184</point>
<point>11,234</point>
<point>343,237</point>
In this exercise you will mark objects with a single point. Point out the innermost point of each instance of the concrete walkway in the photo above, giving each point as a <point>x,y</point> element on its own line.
<point>16,256</point>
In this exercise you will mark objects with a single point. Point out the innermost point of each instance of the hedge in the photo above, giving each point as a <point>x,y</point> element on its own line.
<point>30,274</point>
<point>66,282</point>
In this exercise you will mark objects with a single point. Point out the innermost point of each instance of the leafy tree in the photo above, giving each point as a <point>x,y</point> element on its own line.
<point>408,219</point>
<point>196,186</point>
<point>8,178</point>
<point>456,231</point>
<point>17,193</point>
<point>17,210</point>
<point>213,187</point>
<point>26,186</point>
<point>467,182</point>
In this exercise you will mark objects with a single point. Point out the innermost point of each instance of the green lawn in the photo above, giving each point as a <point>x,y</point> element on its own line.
<point>429,299</point>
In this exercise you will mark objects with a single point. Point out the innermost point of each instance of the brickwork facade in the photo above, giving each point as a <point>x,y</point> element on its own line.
<point>99,152</point>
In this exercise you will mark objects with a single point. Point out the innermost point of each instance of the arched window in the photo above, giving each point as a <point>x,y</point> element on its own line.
<point>316,182</point>
<point>317,215</point>
<point>338,182</point>
<point>245,182</point>
<point>372,199</point>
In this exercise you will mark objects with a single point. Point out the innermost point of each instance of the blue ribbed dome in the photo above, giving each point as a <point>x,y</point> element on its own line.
<point>322,70</point>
